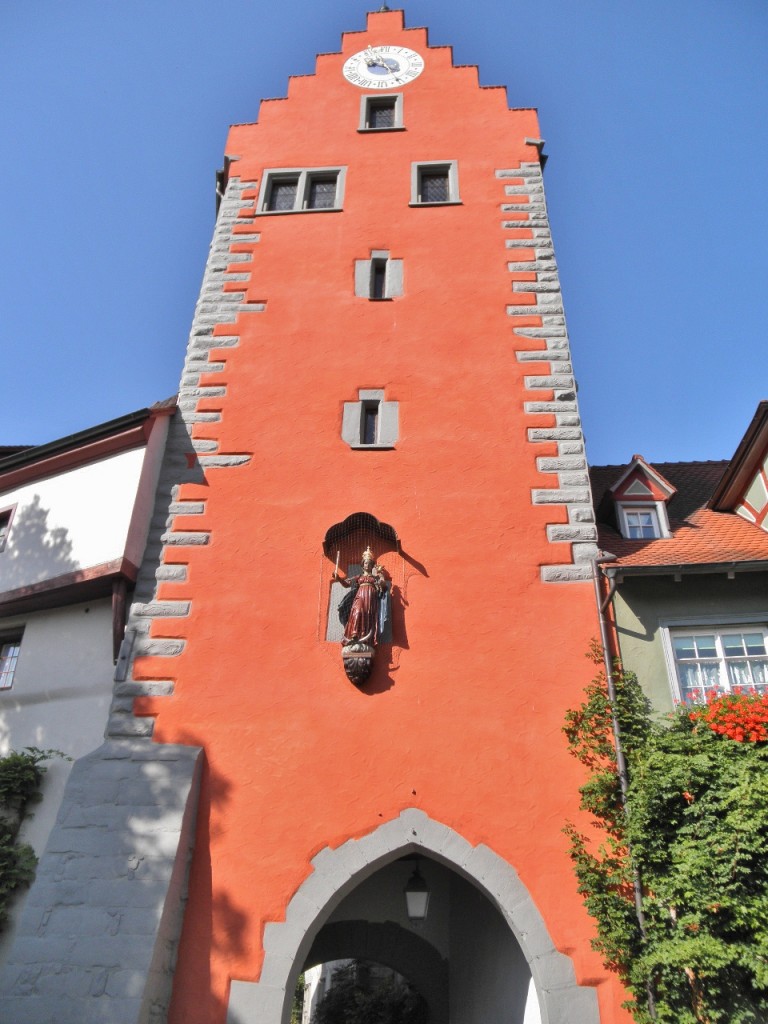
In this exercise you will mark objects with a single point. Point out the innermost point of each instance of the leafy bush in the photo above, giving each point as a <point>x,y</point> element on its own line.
<point>694,836</point>
<point>21,776</point>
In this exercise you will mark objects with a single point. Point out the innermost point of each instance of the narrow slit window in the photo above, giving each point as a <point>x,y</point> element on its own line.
<point>378,279</point>
<point>370,422</point>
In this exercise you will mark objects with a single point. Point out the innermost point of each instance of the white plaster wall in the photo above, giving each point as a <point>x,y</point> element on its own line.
<point>59,699</point>
<point>144,500</point>
<point>73,520</point>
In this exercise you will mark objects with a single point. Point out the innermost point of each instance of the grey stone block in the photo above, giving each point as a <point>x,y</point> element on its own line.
<point>582,515</point>
<point>568,419</point>
<point>127,725</point>
<point>159,648</point>
<point>186,538</point>
<point>224,461</point>
<point>560,463</point>
<point>560,495</point>
<point>571,447</point>
<point>548,383</point>
<point>564,532</point>
<point>572,1006</point>
<point>554,434</point>
<point>574,479</point>
<point>565,574</point>
<point>547,407</point>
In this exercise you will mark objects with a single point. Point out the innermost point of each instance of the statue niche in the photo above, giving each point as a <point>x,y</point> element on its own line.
<point>365,614</point>
<point>365,592</point>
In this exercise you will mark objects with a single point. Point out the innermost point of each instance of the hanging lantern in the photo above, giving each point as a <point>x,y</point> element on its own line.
<point>416,898</point>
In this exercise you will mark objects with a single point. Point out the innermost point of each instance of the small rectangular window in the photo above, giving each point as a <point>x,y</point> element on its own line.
<point>296,191</point>
<point>370,424</point>
<point>10,648</point>
<point>433,187</point>
<point>322,193</point>
<point>434,184</point>
<point>642,524</point>
<point>282,194</point>
<point>381,113</point>
<point>379,279</point>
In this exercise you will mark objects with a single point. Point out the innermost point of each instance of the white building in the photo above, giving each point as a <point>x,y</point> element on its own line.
<point>74,518</point>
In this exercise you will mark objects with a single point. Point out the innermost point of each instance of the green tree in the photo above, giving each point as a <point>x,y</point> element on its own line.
<point>694,834</point>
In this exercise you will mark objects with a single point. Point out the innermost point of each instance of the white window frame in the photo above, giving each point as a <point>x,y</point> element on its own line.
<point>707,625</point>
<point>304,177</point>
<point>658,511</point>
<point>6,522</point>
<point>376,100</point>
<point>449,167</point>
<point>8,639</point>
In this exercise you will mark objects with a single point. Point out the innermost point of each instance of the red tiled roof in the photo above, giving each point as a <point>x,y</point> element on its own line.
<point>699,535</point>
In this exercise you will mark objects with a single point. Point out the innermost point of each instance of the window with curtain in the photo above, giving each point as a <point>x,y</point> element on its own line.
<point>720,661</point>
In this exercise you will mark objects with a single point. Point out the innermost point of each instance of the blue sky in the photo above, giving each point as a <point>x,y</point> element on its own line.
<point>114,116</point>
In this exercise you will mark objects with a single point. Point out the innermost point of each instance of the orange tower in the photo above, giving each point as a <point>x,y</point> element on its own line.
<point>377,411</point>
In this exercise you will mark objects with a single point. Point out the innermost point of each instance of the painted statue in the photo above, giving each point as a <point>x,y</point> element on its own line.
<point>364,613</point>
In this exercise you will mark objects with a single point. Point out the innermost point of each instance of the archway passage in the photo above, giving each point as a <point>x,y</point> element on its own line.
<point>394,946</point>
<point>481,919</point>
<point>463,958</point>
<point>358,992</point>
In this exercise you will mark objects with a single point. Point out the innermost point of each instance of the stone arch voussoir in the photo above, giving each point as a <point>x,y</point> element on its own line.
<point>336,872</point>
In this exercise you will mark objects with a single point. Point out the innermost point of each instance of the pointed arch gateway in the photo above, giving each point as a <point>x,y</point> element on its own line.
<point>337,872</point>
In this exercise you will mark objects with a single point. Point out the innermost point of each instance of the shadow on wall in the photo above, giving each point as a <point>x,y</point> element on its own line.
<point>34,552</point>
<point>213,918</point>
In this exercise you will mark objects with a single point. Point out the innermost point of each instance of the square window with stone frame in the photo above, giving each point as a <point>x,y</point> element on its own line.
<point>435,183</point>
<point>381,113</point>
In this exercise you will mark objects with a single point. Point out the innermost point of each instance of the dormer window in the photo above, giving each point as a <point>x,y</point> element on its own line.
<point>640,498</point>
<point>640,523</point>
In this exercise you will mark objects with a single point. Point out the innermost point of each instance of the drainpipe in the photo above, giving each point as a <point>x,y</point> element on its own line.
<point>602,603</point>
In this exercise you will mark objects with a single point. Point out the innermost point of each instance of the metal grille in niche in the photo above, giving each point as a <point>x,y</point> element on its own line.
<point>322,193</point>
<point>283,195</point>
<point>434,187</point>
<point>382,115</point>
<point>346,542</point>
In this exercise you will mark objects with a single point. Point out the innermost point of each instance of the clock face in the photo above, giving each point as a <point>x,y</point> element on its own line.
<point>383,67</point>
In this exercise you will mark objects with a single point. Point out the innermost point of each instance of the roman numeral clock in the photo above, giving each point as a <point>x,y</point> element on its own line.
<point>383,67</point>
